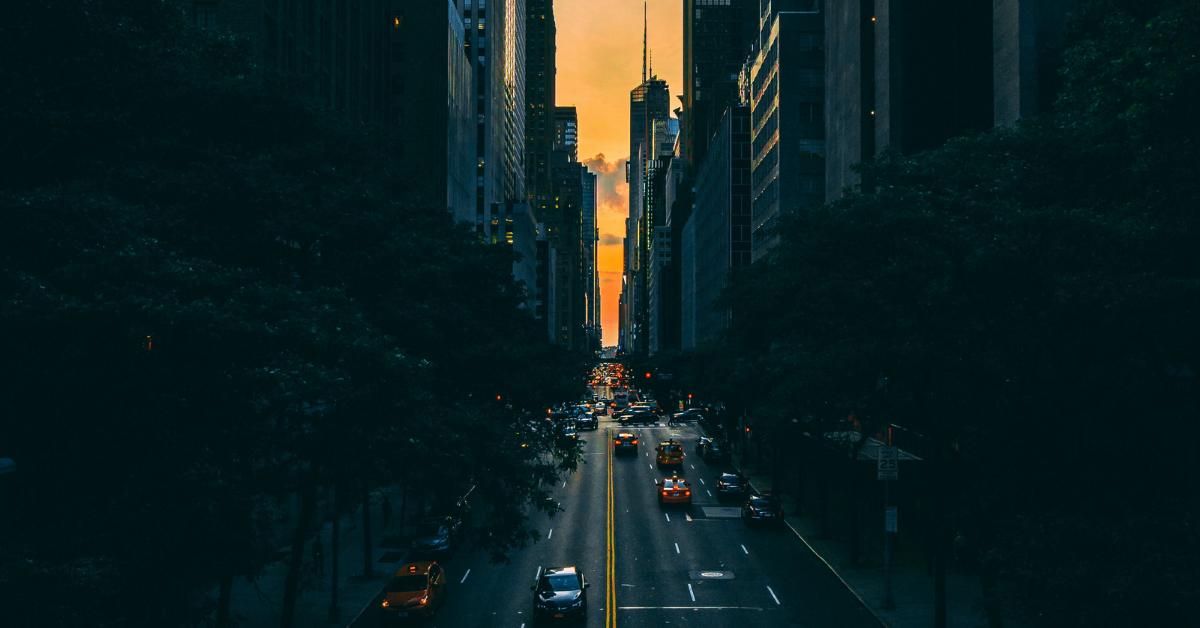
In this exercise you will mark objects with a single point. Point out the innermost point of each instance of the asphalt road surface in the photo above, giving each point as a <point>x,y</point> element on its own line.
<point>669,566</point>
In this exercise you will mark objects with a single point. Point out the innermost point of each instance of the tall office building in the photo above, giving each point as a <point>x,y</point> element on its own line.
<point>912,75</point>
<point>649,102</point>
<point>400,64</point>
<point>720,223</point>
<point>658,277</point>
<point>786,81</point>
<point>716,36</point>
<point>589,236</point>
<point>496,42</point>
<point>564,227</point>
<point>540,49</point>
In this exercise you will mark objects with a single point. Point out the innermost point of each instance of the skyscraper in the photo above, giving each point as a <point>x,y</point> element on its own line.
<point>786,80</point>
<point>540,55</point>
<point>496,42</point>
<point>716,37</point>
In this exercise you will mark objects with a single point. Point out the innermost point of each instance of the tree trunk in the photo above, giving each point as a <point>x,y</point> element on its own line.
<point>308,507</point>
<point>368,568</point>
<point>776,472</point>
<point>226,590</point>
<point>403,506</point>
<point>939,560</point>
<point>335,546</point>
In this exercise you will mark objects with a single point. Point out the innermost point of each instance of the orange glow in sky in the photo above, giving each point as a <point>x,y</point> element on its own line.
<point>599,61</point>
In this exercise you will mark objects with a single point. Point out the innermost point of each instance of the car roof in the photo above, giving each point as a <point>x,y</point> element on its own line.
<point>420,568</point>
<point>731,475</point>
<point>560,570</point>
<point>621,434</point>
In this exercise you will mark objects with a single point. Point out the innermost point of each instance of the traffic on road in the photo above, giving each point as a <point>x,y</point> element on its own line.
<point>657,528</point>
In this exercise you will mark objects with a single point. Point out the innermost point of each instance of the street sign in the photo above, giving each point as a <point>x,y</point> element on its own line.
<point>889,519</point>
<point>666,376</point>
<point>888,467</point>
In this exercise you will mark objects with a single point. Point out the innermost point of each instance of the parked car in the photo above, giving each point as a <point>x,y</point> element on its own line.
<point>434,536</point>
<point>716,450</point>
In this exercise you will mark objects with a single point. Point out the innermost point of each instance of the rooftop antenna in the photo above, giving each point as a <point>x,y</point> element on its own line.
<point>652,66</point>
<point>644,23</point>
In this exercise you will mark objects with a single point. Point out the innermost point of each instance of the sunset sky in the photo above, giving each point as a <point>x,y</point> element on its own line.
<point>599,62</point>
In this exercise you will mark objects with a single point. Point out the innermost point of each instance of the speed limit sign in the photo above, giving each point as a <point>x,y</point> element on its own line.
<point>888,467</point>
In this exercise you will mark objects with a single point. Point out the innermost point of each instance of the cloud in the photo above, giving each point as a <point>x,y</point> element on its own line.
<point>612,192</point>
<point>609,238</point>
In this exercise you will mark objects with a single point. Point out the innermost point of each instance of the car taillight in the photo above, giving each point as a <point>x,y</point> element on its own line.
<point>385,604</point>
<point>635,441</point>
<point>687,493</point>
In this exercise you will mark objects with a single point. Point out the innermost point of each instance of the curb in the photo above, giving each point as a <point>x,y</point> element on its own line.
<point>819,557</point>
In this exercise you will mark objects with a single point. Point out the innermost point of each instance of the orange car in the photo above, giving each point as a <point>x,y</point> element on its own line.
<point>675,490</point>
<point>417,590</point>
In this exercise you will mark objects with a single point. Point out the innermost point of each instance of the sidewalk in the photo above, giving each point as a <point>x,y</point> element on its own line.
<point>259,603</point>
<point>912,589</point>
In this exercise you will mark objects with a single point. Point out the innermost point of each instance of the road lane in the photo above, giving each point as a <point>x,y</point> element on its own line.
<point>725,573</point>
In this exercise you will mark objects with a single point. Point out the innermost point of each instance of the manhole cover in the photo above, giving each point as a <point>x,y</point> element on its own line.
<point>722,512</point>
<point>711,575</point>
<point>391,557</point>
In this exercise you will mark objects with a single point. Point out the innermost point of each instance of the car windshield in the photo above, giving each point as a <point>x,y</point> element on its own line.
<point>431,529</point>
<point>559,582</point>
<point>672,449</point>
<point>674,483</point>
<point>729,478</point>
<point>407,583</point>
<point>761,502</point>
<point>717,445</point>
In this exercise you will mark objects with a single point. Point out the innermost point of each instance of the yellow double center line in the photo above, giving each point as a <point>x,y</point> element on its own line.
<point>610,605</point>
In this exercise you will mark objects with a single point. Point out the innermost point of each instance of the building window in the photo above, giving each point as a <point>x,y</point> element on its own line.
<point>812,149</point>
<point>205,14</point>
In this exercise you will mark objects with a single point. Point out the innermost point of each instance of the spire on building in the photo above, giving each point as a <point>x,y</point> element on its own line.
<point>644,23</point>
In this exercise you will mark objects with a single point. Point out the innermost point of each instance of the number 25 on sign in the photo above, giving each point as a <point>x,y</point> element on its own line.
<point>888,468</point>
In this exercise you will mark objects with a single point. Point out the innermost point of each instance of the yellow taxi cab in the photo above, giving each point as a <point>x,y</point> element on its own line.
<point>670,453</point>
<point>417,590</point>
<point>675,490</point>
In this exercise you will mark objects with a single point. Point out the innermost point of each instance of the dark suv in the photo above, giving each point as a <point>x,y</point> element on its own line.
<point>560,595</point>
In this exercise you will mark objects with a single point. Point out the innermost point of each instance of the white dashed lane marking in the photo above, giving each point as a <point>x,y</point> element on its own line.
<point>676,548</point>
<point>772,595</point>
<point>745,550</point>
<point>465,577</point>
<point>667,516</point>
<point>691,593</point>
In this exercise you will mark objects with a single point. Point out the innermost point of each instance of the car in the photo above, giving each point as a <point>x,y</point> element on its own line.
<point>600,410</point>
<point>560,595</point>
<point>625,443</point>
<point>675,490</point>
<point>434,536</point>
<point>687,416</point>
<point>417,590</point>
<point>457,509</point>
<point>763,509</point>
<point>567,435</point>
<point>700,443</point>
<point>716,450</point>
<point>731,485</point>
<point>587,423</point>
<point>637,416</point>
<point>670,454</point>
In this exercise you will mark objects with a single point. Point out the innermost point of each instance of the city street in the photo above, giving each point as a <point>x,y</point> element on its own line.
<point>697,566</point>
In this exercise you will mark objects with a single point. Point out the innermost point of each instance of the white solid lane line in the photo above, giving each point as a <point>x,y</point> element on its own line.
<point>465,577</point>
<point>745,550</point>
<point>550,535</point>
<point>676,548</point>
<point>772,595</point>
<point>691,593</point>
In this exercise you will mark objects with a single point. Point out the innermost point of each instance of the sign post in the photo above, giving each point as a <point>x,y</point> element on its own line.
<point>887,470</point>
